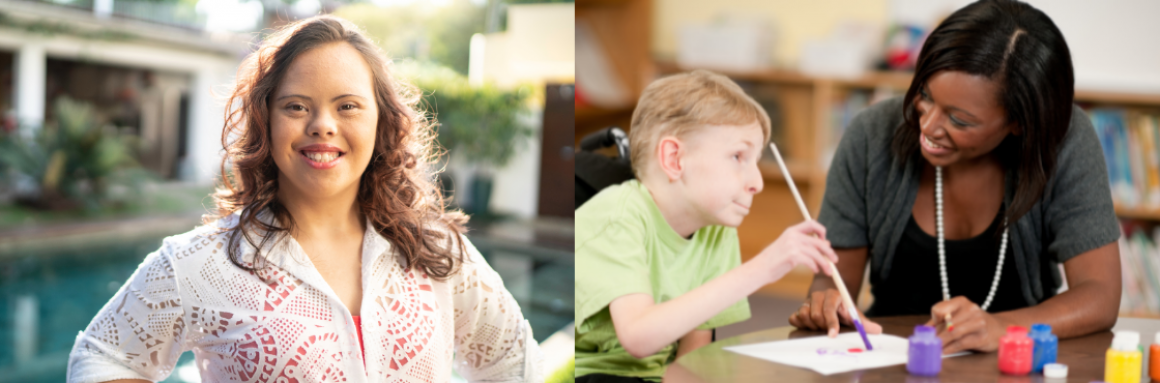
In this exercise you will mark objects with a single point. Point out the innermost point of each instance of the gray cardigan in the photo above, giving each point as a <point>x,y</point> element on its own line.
<point>870,193</point>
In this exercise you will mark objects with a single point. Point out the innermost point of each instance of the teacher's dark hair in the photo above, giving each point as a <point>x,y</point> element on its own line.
<point>1020,49</point>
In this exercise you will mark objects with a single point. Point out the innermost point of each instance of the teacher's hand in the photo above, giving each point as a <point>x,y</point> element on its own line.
<point>973,328</point>
<point>824,311</point>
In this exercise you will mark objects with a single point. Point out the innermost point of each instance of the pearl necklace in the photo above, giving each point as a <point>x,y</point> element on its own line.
<point>942,254</point>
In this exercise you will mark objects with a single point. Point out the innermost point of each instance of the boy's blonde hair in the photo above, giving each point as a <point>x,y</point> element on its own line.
<point>681,103</point>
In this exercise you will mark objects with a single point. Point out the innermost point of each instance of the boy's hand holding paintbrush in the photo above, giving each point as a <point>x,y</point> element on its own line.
<point>847,309</point>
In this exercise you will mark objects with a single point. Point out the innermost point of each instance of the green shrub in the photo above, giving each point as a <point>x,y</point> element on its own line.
<point>479,123</point>
<point>74,161</point>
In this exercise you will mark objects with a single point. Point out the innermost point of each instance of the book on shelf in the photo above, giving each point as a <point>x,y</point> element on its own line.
<point>1130,140</point>
<point>1140,271</point>
<point>1149,135</point>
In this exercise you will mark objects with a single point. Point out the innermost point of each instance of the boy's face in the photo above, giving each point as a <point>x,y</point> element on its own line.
<point>720,173</point>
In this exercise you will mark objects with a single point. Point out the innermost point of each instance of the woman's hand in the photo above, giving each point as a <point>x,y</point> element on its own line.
<point>825,310</point>
<point>972,328</point>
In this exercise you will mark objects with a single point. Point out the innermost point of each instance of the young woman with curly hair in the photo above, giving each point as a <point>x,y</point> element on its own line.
<point>331,257</point>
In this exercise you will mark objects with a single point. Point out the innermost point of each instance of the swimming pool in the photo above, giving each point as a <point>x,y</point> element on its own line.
<point>48,296</point>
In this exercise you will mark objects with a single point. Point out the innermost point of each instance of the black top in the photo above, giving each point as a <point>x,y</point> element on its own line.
<point>914,285</point>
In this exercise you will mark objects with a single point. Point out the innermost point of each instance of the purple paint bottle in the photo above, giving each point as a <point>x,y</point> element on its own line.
<point>925,352</point>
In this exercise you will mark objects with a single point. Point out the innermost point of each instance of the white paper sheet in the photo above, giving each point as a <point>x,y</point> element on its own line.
<point>832,355</point>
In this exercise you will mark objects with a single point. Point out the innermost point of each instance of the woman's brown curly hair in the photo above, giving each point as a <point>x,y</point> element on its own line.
<point>396,192</point>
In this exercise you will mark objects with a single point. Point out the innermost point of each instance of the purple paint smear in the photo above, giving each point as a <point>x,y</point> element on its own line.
<point>826,351</point>
<point>862,331</point>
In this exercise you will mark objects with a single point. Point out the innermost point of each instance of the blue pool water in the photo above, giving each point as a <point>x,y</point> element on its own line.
<point>47,297</point>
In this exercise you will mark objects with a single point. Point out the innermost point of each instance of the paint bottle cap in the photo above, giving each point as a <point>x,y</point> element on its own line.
<point>1126,340</point>
<point>1055,370</point>
<point>924,330</point>
<point>1016,330</point>
<point>1040,328</point>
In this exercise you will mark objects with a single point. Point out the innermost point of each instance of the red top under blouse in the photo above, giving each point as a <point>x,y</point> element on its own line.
<point>358,327</point>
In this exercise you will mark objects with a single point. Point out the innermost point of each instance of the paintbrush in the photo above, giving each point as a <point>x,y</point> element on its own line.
<point>848,302</point>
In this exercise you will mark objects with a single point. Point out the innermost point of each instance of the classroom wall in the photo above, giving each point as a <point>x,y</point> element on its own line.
<point>794,21</point>
<point>1115,44</point>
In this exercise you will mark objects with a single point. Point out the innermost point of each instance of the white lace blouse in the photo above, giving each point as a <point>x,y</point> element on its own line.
<point>284,324</point>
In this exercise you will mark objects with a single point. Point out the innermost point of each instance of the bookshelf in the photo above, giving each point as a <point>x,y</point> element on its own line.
<point>812,106</point>
<point>1141,213</point>
<point>1129,134</point>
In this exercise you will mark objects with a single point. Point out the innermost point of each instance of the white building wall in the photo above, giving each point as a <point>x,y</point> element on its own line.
<point>28,90</point>
<point>538,47</point>
<point>517,186</point>
<point>489,61</point>
<point>542,42</point>
<point>207,115</point>
<point>208,70</point>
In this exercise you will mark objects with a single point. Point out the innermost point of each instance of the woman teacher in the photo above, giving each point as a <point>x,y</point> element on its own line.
<point>967,193</point>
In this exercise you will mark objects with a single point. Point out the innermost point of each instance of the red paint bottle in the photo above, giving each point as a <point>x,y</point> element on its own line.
<point>1015,351</point>
<point>1154,359</point>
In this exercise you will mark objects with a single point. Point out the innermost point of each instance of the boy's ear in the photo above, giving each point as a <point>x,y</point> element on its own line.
<point>670,150</point>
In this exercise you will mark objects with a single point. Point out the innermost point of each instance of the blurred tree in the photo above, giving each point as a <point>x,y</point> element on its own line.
<point>74,161</point>
<point>421,30</point>
<point>480,123</point>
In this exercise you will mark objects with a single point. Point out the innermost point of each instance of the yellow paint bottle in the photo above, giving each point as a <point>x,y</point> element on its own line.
<point>1124,359</point>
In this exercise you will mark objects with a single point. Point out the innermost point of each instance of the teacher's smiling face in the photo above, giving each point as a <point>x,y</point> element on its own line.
<point>323,120</point>
<point>961,118</point>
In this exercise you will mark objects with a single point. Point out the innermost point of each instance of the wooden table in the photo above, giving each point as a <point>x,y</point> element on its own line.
<point>1084,357</point>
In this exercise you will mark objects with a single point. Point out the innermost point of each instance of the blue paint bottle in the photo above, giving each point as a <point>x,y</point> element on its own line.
<point>925,355</point>
<point>1046,346</point>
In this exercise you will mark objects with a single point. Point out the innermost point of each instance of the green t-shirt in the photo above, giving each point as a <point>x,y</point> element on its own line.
<point>624,246</point>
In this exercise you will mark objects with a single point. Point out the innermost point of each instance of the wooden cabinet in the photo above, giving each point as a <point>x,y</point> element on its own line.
<point>621,30</point>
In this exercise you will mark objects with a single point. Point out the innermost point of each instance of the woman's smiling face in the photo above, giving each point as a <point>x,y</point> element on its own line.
<point>960,117</point>
<point>323,121</point>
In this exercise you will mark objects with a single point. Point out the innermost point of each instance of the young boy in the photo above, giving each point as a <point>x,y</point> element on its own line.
<point>657,258</point>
